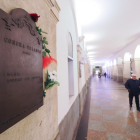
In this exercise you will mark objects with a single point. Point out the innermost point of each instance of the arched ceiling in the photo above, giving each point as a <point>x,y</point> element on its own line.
<point>108,26</point>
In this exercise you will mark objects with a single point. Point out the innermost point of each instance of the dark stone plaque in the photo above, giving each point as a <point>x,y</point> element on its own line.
<point>21,74</point>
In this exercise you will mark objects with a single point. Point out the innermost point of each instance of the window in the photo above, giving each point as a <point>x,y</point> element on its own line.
<point>70,46</point>
<point>70,65</point>
<point>71,77</point>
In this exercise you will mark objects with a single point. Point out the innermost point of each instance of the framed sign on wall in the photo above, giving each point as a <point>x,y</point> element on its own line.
<point>21,75</point>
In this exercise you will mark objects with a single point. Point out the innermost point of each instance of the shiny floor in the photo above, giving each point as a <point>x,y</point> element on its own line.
<point>110,117</point>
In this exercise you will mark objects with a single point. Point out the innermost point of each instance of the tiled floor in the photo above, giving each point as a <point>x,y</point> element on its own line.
<point>110,118</point>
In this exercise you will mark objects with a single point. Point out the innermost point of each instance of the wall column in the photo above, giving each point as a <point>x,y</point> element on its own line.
<point>115,73</point>
<point>103,69</point>
<point>109,69</point>
<point>126,71</point>
<point>119,73</point>
<point>79,52</point>
<point>106,71</point>
<point>112,68</point>
<point>136,66</point>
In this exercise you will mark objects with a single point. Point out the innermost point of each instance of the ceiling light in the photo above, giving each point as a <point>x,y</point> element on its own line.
<point>91,52</point>
<point>91,59</point>
<point>91,47</point>
<point>91,37</point>
<point>91,56</point>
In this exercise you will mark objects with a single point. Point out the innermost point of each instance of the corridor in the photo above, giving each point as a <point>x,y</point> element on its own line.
<point>109,117</point>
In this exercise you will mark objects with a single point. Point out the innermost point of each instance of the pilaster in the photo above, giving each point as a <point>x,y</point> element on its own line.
<point>126,71</point>
<point>136,66</point>
<point>54,9</point>
<point>119,72</point>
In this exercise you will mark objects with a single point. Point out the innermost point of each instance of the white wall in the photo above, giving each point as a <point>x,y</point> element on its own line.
<point>66,24</point>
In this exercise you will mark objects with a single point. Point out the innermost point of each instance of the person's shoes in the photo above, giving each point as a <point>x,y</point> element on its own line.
<point>130,107</point>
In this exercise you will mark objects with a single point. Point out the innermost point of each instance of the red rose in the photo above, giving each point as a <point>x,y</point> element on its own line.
<point>34,17</point>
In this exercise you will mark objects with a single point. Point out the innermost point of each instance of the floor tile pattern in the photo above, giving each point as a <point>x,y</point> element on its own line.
<point>110,117</point>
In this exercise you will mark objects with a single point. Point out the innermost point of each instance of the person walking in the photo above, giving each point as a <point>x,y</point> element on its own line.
<point>105,74</point>
<point>133,88</point>
<point>99,75</point>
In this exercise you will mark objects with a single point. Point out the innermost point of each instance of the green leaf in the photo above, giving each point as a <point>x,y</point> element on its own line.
<point>44,38</point>
<point>43,46</point>
<point>44,32</point>
<point>48,80</point>
<point>57,83</point>
<point>37,28</point>
<point>44,54</point>
<point>47,50</point>
<point>45,42</point>
<point>45,84</point>
<point>49,85</point>
<point>44,94</point>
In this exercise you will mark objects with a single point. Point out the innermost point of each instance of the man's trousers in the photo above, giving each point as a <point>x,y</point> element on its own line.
<point>136,100</point>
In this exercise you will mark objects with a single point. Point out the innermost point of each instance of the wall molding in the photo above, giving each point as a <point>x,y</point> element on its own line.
<point>79,49</point>
<point>54,9</point>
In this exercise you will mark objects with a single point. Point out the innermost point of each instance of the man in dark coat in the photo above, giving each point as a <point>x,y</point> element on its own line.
<point>105,74</point>
<point>133,88</point>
